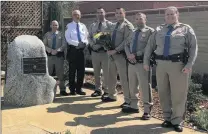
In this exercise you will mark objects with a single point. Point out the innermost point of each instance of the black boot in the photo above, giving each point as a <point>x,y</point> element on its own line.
<point>64,93</point>
<point>96,93</point>
<point>178,128</point>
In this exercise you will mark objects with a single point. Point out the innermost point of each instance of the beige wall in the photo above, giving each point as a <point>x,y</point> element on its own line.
<point>197,20</point>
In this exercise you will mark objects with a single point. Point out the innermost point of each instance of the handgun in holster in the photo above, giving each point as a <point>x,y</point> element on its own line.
<point>185,56</point>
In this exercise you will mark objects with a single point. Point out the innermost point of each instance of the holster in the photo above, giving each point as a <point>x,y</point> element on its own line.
<point>152,59</point>
<point>185,56</point>
<point>99,50</point>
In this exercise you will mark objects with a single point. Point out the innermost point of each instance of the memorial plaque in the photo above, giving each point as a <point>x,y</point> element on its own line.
<point>34,65</point>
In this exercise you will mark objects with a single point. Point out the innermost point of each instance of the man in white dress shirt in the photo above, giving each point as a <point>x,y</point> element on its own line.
<point>77,38</point>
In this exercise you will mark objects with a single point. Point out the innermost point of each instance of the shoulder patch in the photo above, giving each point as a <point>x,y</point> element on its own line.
<point>151,29</point>
<point>129,25</point>
<point>47,33</point>
<point>158,28</point>
<point>191,30</point>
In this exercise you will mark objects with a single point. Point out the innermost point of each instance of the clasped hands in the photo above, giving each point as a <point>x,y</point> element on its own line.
<point>53,51</point>
<point>132,58</point>
<point>81,45</point>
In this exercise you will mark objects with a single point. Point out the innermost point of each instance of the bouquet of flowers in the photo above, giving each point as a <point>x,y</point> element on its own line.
<point>104,39</point>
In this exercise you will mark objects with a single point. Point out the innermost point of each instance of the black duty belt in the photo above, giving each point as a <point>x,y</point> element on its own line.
<point>74,47</point>
<point>99,50</point>
<point>173,58</point>
<point>59,54</point>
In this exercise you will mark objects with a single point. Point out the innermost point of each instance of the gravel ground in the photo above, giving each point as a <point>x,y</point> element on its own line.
<point>156,111</point>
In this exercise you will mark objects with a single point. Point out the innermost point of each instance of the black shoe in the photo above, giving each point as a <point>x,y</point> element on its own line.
<point>124,104</point>
<point>129,110</point>
<point>80,92</point>
<point>146,116</point>
<point>64,93</point>
<point>178,128</point>
<point>96,93</point>
<point>167,124</point>
<point>108,99</point>
<point>104,95</point>
<point>72,93</point>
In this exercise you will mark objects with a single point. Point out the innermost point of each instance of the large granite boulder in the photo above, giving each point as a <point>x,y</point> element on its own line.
<point>27,80</point>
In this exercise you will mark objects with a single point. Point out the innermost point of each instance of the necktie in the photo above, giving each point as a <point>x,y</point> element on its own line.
<point>54,41</point>
<point>78,33</point>
<point>114,33</point>
<point>134,46</point>
<point>99,27</point>
<point>167,41</point>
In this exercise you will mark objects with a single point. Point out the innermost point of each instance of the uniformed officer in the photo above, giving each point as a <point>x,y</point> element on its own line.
<point>173,67</point>
<point>77,38</point>
<point>136,73</point>
<point>120,36</point>
<point>99,55</point>
<point>55,44</point>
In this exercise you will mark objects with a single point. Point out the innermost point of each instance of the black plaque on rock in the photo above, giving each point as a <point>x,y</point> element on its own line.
<point>34,65</point>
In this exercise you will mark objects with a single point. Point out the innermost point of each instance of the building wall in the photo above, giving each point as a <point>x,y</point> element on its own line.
<point>196,17</point>
<point>110,6</point>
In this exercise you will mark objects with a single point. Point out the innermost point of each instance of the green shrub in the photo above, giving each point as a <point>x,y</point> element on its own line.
<point>194,96</point>
<point>201,119</point>
<point>196,78</point>
<point>67,132</point>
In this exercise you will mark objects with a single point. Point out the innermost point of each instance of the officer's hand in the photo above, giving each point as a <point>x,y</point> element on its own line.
<point>131,57</point>
<point>58,50</point>
<point>146,67</point>
<point>49,50</point>
<point>186,70</point>
<point>54,52</point>
<point>111,52</point>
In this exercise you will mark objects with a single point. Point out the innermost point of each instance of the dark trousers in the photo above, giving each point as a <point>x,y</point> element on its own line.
<point>76,64</point>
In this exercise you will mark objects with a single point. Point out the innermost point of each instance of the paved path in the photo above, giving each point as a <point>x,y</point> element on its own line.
<point>80,115</point>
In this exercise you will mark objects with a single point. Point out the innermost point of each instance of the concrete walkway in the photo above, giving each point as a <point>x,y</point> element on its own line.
<point>80,115</point>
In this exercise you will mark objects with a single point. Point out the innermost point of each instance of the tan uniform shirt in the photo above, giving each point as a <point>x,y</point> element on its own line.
<point>60,40</point>
<point>123,34</point>
<point>144,35</point>
<point>183,36</point>
<point>107,26</point>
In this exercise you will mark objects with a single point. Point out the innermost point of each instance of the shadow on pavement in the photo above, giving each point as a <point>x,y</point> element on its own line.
<point>100,120</point>
<point>79,109</point>
<point>71,99</point>
<point>135,129</point>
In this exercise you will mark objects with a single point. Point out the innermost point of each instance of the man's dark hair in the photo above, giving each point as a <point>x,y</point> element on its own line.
<point>100,8</point>
<point>120,8</point>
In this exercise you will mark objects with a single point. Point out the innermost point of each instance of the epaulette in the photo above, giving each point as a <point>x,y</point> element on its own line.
<point>160,27</point>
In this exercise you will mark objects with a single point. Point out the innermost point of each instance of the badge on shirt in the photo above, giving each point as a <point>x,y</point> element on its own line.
<point>143,35</point>
<point>178,31</point>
